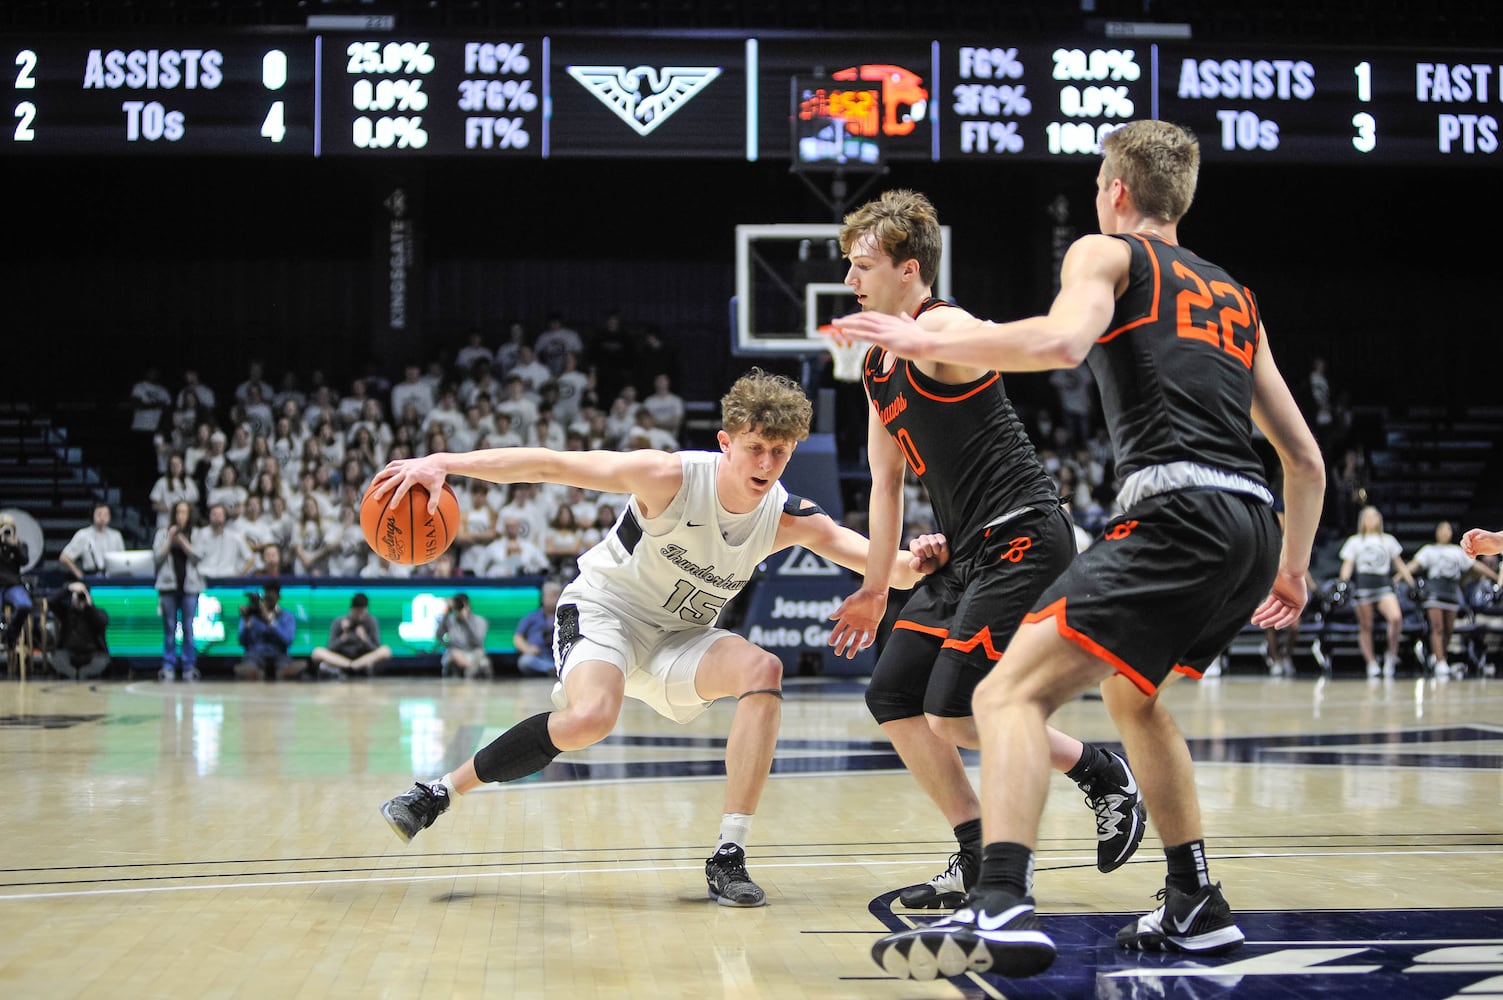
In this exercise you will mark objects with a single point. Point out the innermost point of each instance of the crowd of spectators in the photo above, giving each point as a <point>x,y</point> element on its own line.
<point>276,474</point>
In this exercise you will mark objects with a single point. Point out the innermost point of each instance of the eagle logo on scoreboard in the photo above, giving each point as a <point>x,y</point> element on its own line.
<point>644,97</point>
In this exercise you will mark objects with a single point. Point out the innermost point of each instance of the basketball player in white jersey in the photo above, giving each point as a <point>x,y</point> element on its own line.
<point>639,619</point>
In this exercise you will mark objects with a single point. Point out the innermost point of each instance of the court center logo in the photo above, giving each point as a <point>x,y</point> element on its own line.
<point>644,97</point>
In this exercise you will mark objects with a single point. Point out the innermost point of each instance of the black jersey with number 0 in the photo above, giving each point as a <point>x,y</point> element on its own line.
<point>964,442</point>
<point>1175,368</point>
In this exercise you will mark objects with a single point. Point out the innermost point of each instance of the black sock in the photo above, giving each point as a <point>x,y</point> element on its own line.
<point>1187,867</point>
<point>1093,762</point>
<point>968,836</point>
<point>523,749</point>
<point>1006,868</point>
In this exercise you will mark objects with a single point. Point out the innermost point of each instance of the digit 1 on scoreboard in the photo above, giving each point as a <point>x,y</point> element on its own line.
<point>1364,74</point>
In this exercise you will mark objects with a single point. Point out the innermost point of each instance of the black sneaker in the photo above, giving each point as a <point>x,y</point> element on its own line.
<point>949,888</point>
<point>1199,923</point>
<point>997,933</point>
<point>415,809</point>
<point>725,873</point>
<point>1120,816</point>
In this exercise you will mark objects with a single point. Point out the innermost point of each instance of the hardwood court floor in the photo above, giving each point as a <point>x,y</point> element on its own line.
<point>223,840</point>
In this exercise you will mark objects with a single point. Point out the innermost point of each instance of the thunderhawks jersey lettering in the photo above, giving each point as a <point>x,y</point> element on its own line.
<point>677,570</point>
<point>964,442</point>
<point>1175,368</point>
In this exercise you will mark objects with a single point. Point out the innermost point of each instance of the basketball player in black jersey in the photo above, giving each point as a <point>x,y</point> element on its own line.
<point>1009,539</point>
<point>1182,359</point>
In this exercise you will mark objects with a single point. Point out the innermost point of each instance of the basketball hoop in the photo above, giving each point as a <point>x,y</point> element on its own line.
<point>847,359</point>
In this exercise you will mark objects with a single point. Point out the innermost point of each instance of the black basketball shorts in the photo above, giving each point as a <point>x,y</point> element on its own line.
<point>959,620</point>
<point>1169,584</point>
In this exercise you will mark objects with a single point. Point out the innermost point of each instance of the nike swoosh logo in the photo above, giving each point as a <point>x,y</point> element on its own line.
<point>1184,925</point>
<point>990,922</point>
<point>693,525</point>
<point>1131,788</point>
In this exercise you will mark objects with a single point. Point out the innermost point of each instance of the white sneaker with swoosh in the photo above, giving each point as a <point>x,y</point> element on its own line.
<point>1198,923</point>
<point>997,933</point>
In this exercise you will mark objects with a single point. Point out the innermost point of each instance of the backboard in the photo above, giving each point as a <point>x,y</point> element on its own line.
<point>790,282</point>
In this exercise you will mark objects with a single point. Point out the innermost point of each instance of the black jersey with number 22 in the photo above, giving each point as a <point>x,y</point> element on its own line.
<point>1175,368</point>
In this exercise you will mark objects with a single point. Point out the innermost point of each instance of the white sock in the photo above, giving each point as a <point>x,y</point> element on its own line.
<point>448,782</point>
<point>734,828</point>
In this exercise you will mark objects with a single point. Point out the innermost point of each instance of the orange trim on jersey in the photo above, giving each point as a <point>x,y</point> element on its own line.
<point>1153,313</point>
<point>982,639</point>
<point>947,399</point>
<point>916,627</point>
<point>873,367</point>
<point>1085,642</point>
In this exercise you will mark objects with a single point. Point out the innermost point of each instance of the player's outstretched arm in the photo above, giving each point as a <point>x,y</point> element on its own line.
<point>1092,270</point>
<point>654,476</point>
<point>839,544</point>
<point>1481,542</point>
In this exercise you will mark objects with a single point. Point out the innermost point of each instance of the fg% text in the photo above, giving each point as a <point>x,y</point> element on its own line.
<point>385,95</point>
<point>498,59</point>
<point>497,95</point>
<point>384,133</point>
<point>495,133</point>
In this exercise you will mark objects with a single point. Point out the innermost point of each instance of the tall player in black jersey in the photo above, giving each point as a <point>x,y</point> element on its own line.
<point>1182,359</point>
<point>1009,539</point>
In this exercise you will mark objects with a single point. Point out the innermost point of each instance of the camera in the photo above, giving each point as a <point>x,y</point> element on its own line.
<point>252,603</point>
<point>7,532</point>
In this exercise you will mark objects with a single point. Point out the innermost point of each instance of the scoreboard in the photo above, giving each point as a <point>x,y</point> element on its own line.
<point>392,95</point>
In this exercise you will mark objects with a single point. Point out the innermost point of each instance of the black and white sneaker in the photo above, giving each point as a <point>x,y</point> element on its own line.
<point>1120,816</point>
<point>415,809</point>
<point>997,933</point>
<point>949,888</point>
<point>729,884</point>
<point>1198,923</point>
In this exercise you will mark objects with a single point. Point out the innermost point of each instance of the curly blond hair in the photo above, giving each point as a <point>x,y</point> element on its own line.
<point>771,405</point>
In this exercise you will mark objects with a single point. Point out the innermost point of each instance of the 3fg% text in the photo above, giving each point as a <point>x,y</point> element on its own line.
<point>497,95</point>
<point>384,133</point>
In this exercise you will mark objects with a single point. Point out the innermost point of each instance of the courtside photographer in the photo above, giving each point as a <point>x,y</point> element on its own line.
<point>82,650</point>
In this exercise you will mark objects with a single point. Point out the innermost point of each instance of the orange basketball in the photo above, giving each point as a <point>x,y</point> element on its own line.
<point>407,533</point>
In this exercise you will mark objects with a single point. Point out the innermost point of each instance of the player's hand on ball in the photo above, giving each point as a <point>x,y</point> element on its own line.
<point>392,483</point>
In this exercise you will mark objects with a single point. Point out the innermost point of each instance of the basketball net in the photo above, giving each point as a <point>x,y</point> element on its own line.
<point>848,360</point>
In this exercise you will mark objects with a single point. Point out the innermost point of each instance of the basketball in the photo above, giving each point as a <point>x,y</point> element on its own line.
<point>407,533</point>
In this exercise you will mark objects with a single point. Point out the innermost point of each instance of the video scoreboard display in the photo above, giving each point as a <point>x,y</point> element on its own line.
<point>860,101</point>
